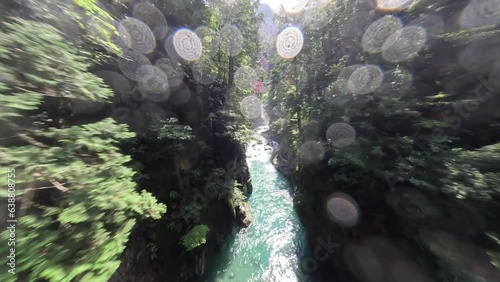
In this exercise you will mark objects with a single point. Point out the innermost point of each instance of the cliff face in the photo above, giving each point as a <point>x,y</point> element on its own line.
<point>155,252</point>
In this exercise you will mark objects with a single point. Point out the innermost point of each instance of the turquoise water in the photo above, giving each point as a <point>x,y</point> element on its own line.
<point>271,248</point>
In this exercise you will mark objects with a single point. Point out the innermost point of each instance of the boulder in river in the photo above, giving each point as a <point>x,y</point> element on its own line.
<point>244,214</point>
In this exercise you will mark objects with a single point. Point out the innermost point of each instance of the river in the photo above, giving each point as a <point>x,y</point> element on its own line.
<point>271,248</point>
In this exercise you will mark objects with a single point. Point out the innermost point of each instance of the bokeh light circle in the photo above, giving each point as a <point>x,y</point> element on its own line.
<point>343,209</point>
<point>294,6</point>
<point>393,5</point>
<point>480,13</point>
<point>209,40</point>
<point>365,79</point>
<point>153,83</point>
<point>173,71</point>
<point>187,45</point>
<point>397,82</point>
<point>142,38</point>
<point>245,78</point>
<point>341,135</point>
<point>404,44</point>
<point>230,40</point>
<point>289,42</point>
<point>130,62</point>
<point>312,152</point>
<point>152,17</point>
<point>204,71</point>
<point>250,107</point>
<point>378,32</point>
<point>170,48</point>
<point>346,72</point>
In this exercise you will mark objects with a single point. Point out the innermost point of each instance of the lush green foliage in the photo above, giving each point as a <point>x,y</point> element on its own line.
<point>436,139</point>
<point>188,209</point>
<point>171,130</point>
<point>73,180</point>
<point>195,237</point>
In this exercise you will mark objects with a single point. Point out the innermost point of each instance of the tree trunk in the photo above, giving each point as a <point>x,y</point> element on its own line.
<point>231,72</point>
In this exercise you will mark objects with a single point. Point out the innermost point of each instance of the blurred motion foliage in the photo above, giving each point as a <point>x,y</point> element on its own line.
<point>75,192</point>
<point>77,189</point>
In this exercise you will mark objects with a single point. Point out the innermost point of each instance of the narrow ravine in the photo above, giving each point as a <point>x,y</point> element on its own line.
<point>271,248</point>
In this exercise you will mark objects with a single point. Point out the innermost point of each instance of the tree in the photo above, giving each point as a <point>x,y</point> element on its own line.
<point>73,181</point>
<point>429,127</point>
<point>195,237</point>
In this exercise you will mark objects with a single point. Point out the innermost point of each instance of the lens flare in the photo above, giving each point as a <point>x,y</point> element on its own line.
<point>173,72</point>
<point>365,79</point>
<point>341,135</point>
<point>170,48</point>
<point>130,62</point>
<point>480,13</point>
<point>152,17</point>
<point>231,40</point>
<point>245,78</point>
<point>294,6</point>
<point>378,32</point>
<point>404,44</point>
<point>142,38</point>
<point>312,152</point>
<point>393,5</point>
<point>343,209</point>
<point>346,72</point>
<point>290,42</point>
<point>153,83</point>
<point>204,71</point>
<point>397,82</point>
<point>209,41</point>
<point>187,45</point>
<point>250,107</point>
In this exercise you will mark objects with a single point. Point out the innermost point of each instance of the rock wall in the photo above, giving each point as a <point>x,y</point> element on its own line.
<point>154,252</point>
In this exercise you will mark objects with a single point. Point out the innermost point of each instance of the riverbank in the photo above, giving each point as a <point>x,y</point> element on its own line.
<point>272,247</point>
